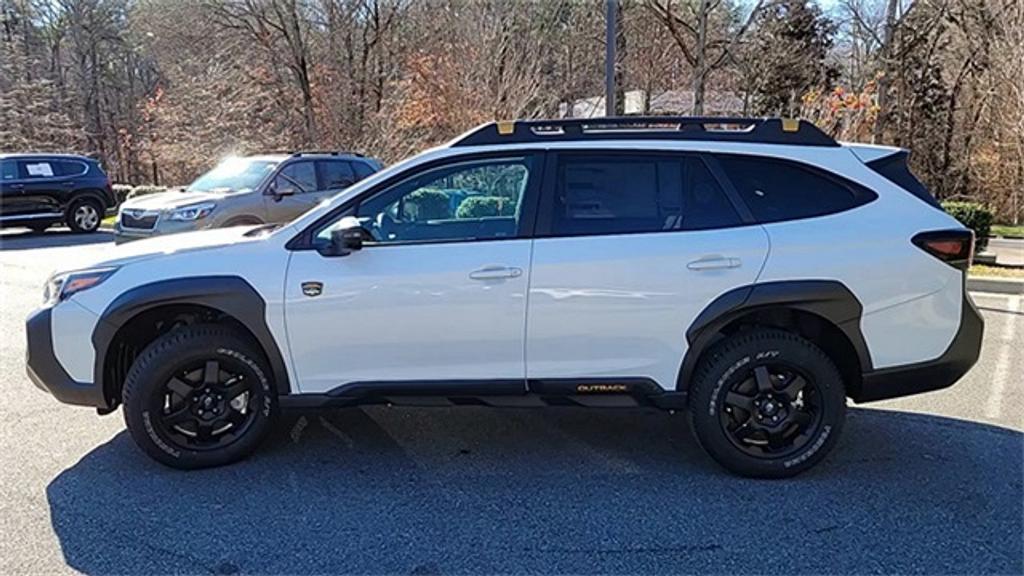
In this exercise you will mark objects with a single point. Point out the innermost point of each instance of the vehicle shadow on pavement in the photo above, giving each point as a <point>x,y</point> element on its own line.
<point>57,238</point>
<point>431,491</point>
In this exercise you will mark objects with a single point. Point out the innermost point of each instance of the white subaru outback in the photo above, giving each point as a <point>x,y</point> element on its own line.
<point>752,272</point>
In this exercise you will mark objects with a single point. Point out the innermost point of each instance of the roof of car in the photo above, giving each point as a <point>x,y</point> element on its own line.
<point>281,156</point>
<point>41,155</point>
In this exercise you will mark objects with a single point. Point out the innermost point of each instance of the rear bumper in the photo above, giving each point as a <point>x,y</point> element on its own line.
<point>937,374</point>
<point>45,370</point>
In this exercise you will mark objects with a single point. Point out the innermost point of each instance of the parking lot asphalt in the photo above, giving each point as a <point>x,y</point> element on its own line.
<point>929,484</point>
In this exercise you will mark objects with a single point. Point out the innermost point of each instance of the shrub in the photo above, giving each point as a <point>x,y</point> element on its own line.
<point>484,206</point>
<point>429,204</point>
<point>975,216</point>
<point>122,192</point>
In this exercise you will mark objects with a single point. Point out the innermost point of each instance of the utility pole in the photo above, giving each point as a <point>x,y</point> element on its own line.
<point>610,39</point>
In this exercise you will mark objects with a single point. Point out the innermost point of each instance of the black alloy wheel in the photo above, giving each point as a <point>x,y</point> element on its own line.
<point>767,403</point>
<point>199,396</point>
<point>771,410</point>
<point>207,405</point>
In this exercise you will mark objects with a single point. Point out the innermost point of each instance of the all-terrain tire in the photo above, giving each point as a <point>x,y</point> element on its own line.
<point>145,395</point>
<point>735,363</point>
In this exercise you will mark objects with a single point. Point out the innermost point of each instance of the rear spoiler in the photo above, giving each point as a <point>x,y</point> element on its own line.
<point>894,164</point>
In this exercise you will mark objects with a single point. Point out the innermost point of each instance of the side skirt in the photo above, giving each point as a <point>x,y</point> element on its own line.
<point>533,393</point>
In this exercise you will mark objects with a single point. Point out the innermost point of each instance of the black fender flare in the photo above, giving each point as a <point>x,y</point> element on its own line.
<point>828,299</point>
<point>229,294</point>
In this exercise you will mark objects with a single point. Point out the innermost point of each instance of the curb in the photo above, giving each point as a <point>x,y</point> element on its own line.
<point>995,285</point>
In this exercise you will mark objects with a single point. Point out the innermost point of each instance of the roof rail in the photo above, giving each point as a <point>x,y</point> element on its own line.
<point>708,128</point>
<point>326,153</point>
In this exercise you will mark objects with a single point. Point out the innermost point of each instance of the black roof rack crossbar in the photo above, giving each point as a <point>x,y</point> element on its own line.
<point>706,128</point>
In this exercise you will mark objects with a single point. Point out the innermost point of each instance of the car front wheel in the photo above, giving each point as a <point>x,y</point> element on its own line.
<point>767,403</point>
<point>199,396</point>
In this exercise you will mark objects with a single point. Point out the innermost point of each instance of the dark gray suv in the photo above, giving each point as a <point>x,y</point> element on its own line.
<point>244,191</point>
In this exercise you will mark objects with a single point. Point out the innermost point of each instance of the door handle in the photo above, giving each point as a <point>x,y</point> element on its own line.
<point>17,186</point>
<point>495,273</point>
<point>714,263</point>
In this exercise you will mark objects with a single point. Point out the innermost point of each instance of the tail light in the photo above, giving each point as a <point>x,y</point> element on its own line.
<point>954,247</point>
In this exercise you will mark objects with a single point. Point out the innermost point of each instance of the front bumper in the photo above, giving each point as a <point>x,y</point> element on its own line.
<point>45,370</point>
<point>937,374</point>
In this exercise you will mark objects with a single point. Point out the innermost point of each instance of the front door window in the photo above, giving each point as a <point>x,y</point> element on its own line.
<point>474,200</point>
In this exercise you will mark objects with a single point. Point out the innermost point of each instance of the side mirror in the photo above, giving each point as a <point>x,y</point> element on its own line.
<point>282,190</point>
<point>347,238</point>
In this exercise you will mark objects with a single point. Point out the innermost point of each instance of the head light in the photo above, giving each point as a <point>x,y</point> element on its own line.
<point>63,286</point>
<point>192,212</point>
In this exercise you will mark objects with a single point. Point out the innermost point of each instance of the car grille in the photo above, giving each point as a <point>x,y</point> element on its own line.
<point>138,219</point>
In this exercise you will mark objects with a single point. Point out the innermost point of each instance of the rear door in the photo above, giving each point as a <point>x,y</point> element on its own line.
<point>630,248</point>
<point>42,186</point>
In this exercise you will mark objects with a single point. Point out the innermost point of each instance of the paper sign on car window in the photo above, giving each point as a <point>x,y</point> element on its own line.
<point>41,169</point>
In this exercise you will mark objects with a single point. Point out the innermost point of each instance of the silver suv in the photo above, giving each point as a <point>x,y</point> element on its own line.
<point>244,191</point>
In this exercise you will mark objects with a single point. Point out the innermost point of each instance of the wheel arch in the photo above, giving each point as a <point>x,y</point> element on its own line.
<point>140,315</point>
<point>823,311</point>
<point>242,220</point>
<point>90,194</point>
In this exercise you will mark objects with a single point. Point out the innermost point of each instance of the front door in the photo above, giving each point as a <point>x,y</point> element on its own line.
<point>293,190</point>
<point>630,249</point>
<point>439,295</point>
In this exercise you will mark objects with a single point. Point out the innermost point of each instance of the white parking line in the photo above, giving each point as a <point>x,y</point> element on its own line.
<point>1001,375</point>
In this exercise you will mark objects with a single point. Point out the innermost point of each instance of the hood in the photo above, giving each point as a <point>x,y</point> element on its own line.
<point>167,200</point>
<point>156,246</point>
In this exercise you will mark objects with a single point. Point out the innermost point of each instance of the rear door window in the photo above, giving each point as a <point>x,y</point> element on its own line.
<point>336,174</point>
<point>625,194</point>
<point>362,170</point>
<point>34,169</point>
<point>616,194</point>
<point>777,190</point>
<point>705,204</point>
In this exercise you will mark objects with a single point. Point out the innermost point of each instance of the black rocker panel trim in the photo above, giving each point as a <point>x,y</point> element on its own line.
<point>230,294</point>
<point>827,299</point>
<point>509,393</point>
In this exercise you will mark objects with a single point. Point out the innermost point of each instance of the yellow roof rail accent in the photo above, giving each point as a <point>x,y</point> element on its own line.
<point>506,127</point>
<point>790,124</point>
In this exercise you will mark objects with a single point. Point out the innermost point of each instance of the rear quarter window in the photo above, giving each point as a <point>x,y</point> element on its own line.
<point>71,167</point>
<point>778,190</point>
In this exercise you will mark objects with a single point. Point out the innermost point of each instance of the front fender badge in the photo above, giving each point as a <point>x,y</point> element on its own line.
<point>312,289</point>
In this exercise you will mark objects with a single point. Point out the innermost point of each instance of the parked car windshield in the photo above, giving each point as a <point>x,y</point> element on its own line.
<point>233,175</point>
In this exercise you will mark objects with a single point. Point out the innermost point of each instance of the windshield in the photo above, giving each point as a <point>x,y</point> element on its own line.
<point>233,175</point>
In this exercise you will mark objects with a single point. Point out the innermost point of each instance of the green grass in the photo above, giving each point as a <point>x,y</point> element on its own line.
<point>109,221</point>
<point>996,271</point>
<point>1007,230</point>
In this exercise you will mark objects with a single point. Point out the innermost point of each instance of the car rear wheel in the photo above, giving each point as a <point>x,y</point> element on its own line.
<point>767,403</point>
<point>84,215</point>
<point>198,397</point>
